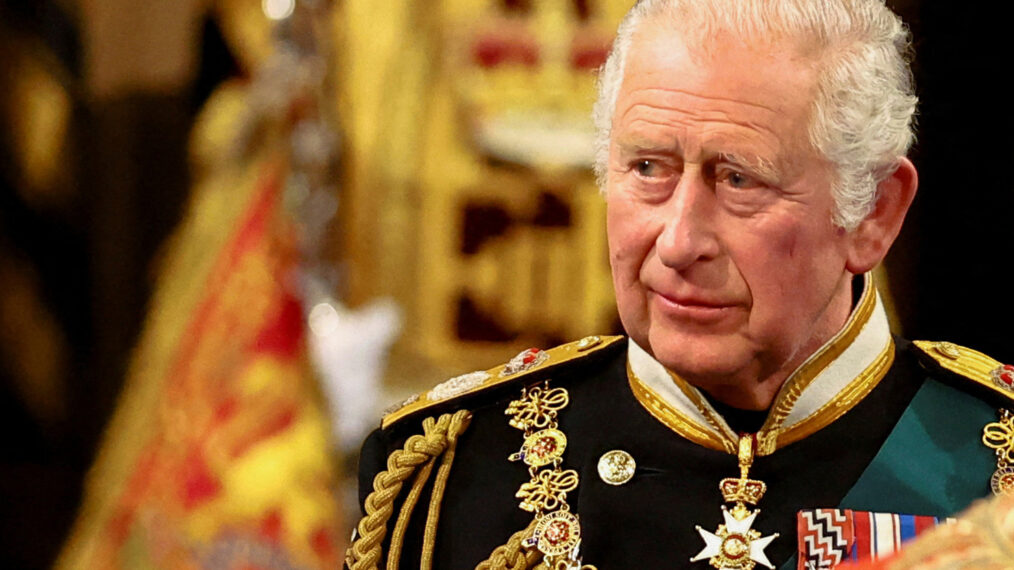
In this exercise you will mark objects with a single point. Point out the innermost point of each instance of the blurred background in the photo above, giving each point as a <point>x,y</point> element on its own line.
<point>233,231</point>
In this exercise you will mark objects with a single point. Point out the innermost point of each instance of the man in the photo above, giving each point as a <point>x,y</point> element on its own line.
<point>752,159</point>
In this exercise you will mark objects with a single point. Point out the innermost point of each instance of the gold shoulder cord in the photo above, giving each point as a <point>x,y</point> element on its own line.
<point>439,438</point>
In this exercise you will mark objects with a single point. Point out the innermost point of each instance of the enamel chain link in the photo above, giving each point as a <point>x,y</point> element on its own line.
<point>557,533</point>
<point>999,436</point>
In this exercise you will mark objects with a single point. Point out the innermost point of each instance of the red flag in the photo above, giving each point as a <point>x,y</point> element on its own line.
<point>218,454</point>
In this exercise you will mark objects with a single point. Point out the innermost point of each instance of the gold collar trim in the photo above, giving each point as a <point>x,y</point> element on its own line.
<point>821,390</point>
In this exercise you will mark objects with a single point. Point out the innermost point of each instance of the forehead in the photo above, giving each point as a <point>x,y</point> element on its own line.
<point>760,90</point>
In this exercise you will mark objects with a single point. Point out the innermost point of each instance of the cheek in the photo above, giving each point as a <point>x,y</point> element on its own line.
<point>624,232</point>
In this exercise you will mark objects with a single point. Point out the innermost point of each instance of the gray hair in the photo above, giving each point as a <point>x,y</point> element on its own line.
<point>862,116</point>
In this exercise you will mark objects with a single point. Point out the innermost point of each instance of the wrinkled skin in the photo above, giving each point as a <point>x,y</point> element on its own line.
<point>726,263</point>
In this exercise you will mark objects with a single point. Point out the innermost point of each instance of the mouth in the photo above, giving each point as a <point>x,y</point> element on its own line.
<point>692,308</point>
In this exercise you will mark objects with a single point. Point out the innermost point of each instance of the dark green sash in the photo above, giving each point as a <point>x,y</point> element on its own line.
<point>932,463</point>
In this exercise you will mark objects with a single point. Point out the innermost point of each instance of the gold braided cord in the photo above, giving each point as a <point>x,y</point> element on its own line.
<point>401,526</point>
<point>512,556</point>
<point>365,552</point>
<point>459,422</point>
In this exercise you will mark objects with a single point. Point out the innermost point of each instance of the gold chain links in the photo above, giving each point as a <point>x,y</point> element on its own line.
<point>999,436</point>
<point>557,532</point>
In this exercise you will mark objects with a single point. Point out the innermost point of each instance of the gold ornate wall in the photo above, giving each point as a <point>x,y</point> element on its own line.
<point>469,195</point>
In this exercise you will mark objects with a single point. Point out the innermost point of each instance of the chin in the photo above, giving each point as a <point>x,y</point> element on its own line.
<point>699,359</point>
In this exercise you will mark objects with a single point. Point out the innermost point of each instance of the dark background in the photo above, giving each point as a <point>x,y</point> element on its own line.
<point>90,256</point>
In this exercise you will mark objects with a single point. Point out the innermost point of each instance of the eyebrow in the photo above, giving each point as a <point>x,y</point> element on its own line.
<point>762,166</point>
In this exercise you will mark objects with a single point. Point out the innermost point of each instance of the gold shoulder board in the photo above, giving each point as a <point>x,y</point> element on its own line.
<point>525,363</point>
<point>972,364</point>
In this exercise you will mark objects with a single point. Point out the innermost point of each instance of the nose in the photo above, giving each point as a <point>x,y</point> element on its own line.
<point>688,233</point>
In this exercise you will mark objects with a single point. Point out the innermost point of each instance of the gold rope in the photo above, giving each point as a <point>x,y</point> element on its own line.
<point>459,422</point>
<point>512,556</point>
<point>365,552</point>
<point>401,526</point>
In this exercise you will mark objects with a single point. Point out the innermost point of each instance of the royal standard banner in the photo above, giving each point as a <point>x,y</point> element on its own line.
<point>217,456</point>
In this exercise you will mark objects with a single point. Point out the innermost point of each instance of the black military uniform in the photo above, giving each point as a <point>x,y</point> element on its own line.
<point>901,432</point>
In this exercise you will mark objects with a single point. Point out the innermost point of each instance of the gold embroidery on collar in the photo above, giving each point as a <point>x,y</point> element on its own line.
<point>673,418</point>
<point>851,395</point>
<point>819,361</point>
<point>772,436</point>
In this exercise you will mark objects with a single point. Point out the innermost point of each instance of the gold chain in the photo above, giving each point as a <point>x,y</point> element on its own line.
<point>999,436</point>
<point>557,532</point>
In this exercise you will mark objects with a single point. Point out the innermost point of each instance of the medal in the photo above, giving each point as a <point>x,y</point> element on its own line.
<point>735,545</point>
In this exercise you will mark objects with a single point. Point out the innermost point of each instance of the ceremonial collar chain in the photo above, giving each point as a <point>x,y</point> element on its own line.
<point>822,389</point>
<point>557,532</point>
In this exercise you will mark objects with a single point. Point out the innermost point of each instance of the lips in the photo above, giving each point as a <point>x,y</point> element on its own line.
<point>696,308</point>
<point>694,301</point>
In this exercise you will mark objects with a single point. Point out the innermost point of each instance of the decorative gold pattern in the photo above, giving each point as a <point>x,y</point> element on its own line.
<point>852,394</point>
<point>537,407</point>
<point>616,467</point>
<point>547,490</point>
<point>676,420</point>
<point>999,436</point>
<point>557,533</point>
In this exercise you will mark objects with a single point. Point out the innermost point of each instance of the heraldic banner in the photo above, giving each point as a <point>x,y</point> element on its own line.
<point>218,453</point>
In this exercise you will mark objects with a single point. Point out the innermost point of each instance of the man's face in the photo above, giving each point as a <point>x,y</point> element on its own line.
<point>726,263</point>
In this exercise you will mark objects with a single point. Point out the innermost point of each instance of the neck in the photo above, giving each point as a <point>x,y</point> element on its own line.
<point>755,388</point>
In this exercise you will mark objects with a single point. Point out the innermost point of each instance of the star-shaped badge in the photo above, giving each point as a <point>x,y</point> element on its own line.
<point>735,546</point>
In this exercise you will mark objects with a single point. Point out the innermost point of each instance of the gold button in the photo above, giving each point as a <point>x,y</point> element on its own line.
<point>616,467</point>
<point>588,342</point>
<point>949,349</point>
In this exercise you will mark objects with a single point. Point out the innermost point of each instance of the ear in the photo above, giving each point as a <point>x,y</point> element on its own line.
<point>870,241</point>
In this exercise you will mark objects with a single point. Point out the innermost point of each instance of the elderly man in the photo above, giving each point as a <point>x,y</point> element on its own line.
<point>752,155</point>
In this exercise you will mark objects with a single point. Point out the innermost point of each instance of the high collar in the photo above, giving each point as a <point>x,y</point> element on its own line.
<point>829,383</point>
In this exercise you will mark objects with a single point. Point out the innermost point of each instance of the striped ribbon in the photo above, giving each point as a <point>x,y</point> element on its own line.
<point>829,537</point>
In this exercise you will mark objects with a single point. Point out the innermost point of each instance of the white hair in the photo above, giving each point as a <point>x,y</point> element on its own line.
<point>862,116</point>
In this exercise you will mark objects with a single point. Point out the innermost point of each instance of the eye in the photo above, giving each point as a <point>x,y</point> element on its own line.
<point>646,168</point>
<point>738,180</point>
<point>652,169</point>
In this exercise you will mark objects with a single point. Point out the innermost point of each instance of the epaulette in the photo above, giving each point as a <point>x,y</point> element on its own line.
<point>971,364</point>
<point>524,364</point>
